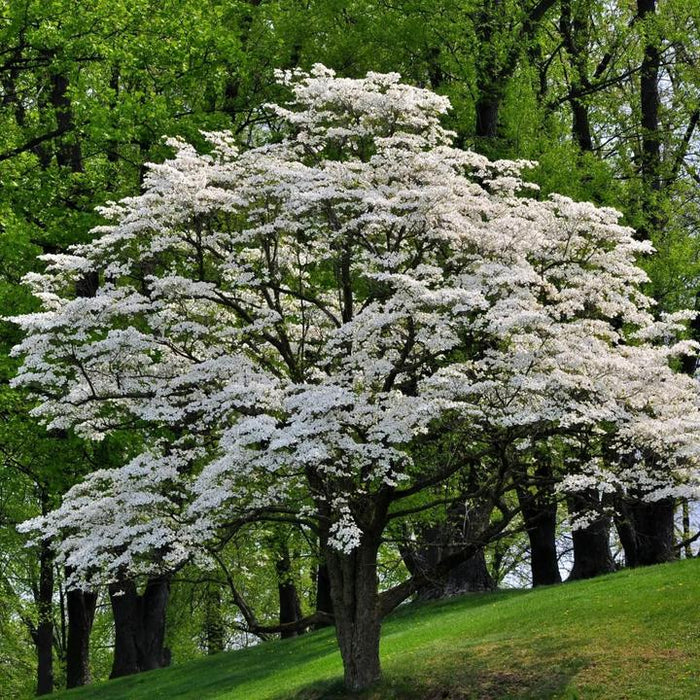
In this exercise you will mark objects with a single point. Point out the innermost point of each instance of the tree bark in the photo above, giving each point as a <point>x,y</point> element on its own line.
<point>154,602</point>
<point>44,630</point>
<point>290,609</point>
<point>494,70</point>
<point>649,102</point>
<point>433,546</point>
<point>653,529</point>
<point>324,600</point>
<point>646,531</point>
<point>81,614</point>
<point>124,600</point>
<point>487,109</point>
<point>539,512</point>
<point>541,524</point>
<point>354,591</point>
<point>213,621</point>
<point>462,526</point>
<point>687,547</point>
<point>139,626</point>
<point>624,524</point>
<point>592,555</point>
<point>574,29</point>
<point>68,153</point>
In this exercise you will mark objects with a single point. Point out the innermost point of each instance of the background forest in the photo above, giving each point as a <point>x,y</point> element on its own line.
<point>605,96</point>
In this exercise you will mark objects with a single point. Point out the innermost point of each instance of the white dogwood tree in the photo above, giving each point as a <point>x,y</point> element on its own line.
<point>330,323</point>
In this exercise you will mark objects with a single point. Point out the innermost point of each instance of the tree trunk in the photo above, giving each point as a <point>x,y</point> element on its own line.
<point>541,524</point>
<point>68,152</point>
<point>592,556</point>
<point>290,609</point>
<point>81,614</point>
<point>624,524</point>
<point>487,109</point>
<point>124,600</point>
<point>154,603</point>
<point>653,529</point>
<point>539,511</point>
<point>649,102</point>
<point>687,547</point>
<point>470,576</point>
<point>324,600</point>
<point>213,621</point>
<point>434,544</point>
<point>139,626</point>
<point>353,578</point>
<point>575,31</point>
<point>646,531</point>
<point>44,630</point>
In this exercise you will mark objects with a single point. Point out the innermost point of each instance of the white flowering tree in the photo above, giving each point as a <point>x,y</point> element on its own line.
<point>326,325</point>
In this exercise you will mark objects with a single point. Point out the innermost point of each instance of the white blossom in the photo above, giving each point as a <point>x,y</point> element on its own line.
<point>286,325</point>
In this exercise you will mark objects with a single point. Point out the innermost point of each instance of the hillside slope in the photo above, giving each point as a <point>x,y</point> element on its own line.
<point>634,634</point>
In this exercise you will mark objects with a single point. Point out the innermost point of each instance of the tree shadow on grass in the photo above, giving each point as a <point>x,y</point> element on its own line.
<point>494,671</point>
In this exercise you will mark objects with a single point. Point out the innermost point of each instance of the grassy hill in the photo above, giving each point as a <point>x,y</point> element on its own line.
<point>634,634</point>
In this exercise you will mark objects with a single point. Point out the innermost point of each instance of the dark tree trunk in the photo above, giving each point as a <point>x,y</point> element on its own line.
<point>470,576</point>
<point>539,511</point>
<point>139,626</point>
<point>575,31</point>
<point>581,126</point>
<point>624,524</point>
<point>324,600</point>
<point>649,99</point>
<point>541,524</point>
<point>646,531</point>
<point>290,609</point>
<point>487,109</point>
<point>649,102</point>
<point>436,543</point>
<point>687,546</point>
<point>44,631</point>
<point>494,31</point>
<point>653,529</point>
<point>154,603</point>
<point>124,600</point>
<point>355,596</point>
<point>433,63</point>
<point>592,555</point>
<point>68,153</point>
<point>213,621</point>
<point>81,614</point>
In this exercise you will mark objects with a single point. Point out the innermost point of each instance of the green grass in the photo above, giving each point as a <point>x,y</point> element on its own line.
<point>634,634</point>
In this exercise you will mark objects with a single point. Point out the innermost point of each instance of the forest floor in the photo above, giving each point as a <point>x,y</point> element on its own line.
<point>633,634</point>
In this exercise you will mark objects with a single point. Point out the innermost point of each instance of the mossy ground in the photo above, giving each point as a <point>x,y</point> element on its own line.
<point>633,634</point>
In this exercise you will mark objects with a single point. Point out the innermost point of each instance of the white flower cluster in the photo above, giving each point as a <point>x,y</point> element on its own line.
<point>300,316</point>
